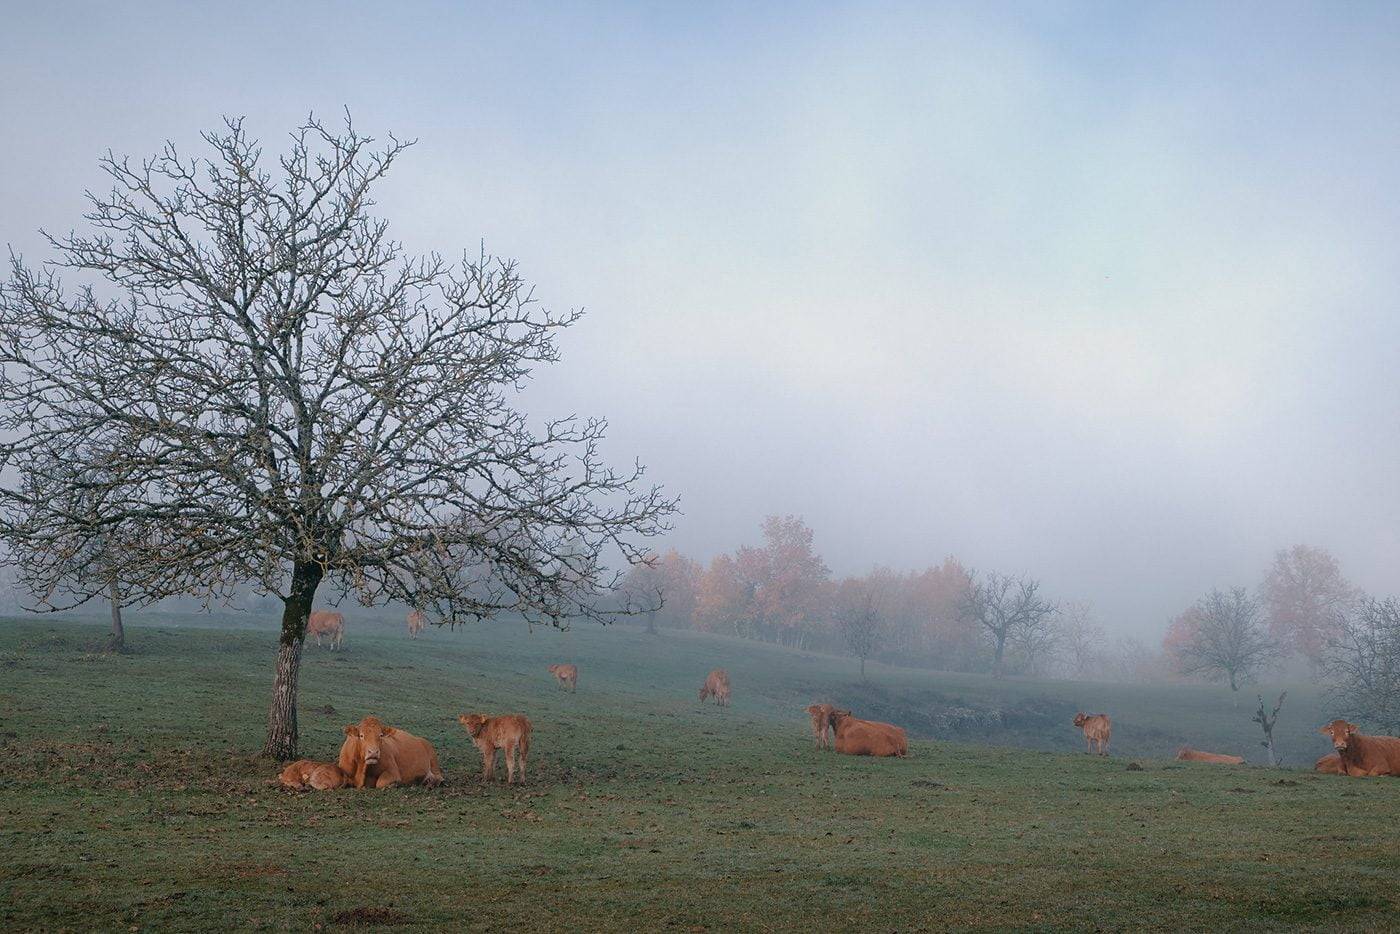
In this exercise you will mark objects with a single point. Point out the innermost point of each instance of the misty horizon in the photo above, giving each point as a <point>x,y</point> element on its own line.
<point>1100,296</point>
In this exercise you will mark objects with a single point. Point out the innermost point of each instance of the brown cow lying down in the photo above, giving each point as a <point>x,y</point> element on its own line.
<point>856,737</point>
<point>716,686</point>
<point>305,774</point>
<point>510,732</point>
<point>377,756</point>
<point>1097,729</point>
<point>821,723</point>
<point>1363,755</point>
<point>1330,764</point>
<point>567,675</point>
<point>1187,754</point>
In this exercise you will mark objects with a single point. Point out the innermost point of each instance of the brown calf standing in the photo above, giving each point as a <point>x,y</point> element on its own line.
<point>821,723</point>
<point>510,733</point>
<point>1097,729</point>
<point>716,686</point>
<point>567,675</point>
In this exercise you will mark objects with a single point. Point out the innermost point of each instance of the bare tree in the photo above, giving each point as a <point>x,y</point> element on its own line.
<point>279,395</point>
<point>1005,607</point>
<point>1226,638</point>
<point>1266,722</point>
<point>859,618</point>
<point>1084,640</point>
<point>1361,664</point>
<point>1038,644</point>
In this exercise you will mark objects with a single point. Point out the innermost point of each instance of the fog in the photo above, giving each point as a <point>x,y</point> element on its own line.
<point>1104,294</point>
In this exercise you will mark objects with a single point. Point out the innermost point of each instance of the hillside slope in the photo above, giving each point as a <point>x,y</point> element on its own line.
<point>131,799</point>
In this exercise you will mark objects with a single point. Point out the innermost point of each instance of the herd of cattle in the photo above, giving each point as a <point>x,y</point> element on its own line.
<point>374,755</point>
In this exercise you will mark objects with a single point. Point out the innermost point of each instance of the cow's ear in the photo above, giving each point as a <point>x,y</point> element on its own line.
<point>1323,730</point>
<point>1351,728</point>
<point>387,731</point>
<point>352,730</point>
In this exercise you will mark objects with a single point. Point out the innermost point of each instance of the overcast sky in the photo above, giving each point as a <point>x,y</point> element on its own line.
<point>1105,293</point>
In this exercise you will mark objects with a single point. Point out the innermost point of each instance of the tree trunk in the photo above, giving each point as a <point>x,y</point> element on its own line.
<point>651,623</point>
<point>862,668</point>
<point>998,670</point>
<point>282,714</point>
<point>117,643</point>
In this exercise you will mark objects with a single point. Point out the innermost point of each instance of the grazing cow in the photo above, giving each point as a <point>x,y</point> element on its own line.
<point>1330,764</point>
<point>716,686</point>
<point>567,675</point>
<point>327,623</point>
<point>377,756</point>
<point>416,622</point>
<point>856,737</point>
<point>510,733</point>
<point>1187,754</point>
<point>1363,755</point>
<point>1097,728</point>
<point>821,723</point>
<point>306,774</point>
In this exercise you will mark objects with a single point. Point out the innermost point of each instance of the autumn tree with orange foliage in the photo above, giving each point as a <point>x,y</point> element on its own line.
<point>1306,598</point>
<point>664,589</point>
<point>778,592</point>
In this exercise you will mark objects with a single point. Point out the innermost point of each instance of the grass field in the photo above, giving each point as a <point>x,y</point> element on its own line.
<point>131,798</point>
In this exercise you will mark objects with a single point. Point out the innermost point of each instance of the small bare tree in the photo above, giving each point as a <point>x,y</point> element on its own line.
<point>859,618</point>
<point>1361,664</point>
<point>277,394</point>
<point>1084,640</point>
<point>1005,607</point>
<point>1227,639</point>
<point>1266,721</point>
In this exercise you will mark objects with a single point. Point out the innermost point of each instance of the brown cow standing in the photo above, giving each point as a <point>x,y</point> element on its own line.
<point>1330,764</point>
<point>377,756</point>
<point>510,733</point>
<point>306,774</point>
<point>856,737</point>
<point>716,686</point>
<point>416,621</point>
<point>1097,728</point>
<point>326,623</point>
<point>1187,754</point>
<point>821,723</point>
<point>567,675</point>
<point>1363,755</point>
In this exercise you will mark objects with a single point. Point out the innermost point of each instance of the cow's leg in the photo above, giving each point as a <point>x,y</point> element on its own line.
<point>488,764</point>
<point>510,763</point>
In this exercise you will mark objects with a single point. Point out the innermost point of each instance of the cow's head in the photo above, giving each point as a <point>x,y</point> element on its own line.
<point>473,723</point>
<point>554,669</point>
<point>369,732</point>
<point>1341,733</point>
<point>837,716</point>
<point>1080,719</point>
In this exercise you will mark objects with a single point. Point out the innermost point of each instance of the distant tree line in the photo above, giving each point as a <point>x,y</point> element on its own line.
<point>944,616</point>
